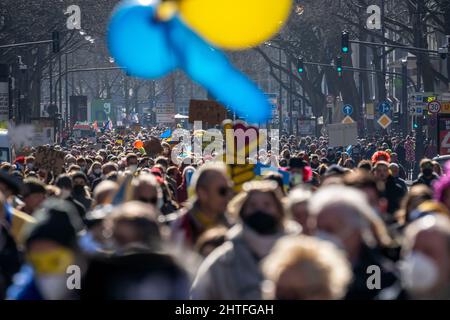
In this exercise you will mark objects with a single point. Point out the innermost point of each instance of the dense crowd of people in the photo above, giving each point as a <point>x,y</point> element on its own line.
<point>349,224</point>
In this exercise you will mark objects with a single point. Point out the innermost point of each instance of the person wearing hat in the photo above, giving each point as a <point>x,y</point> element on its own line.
<point>51,248</point>
<point>33,194</point>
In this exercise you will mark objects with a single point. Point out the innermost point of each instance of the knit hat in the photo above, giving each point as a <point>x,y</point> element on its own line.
<point>57,221</point>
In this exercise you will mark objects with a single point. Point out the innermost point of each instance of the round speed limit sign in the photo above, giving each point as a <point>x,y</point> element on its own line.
<point>434,107</point>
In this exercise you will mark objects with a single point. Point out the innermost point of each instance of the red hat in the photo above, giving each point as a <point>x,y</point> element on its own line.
<point>20,160</point>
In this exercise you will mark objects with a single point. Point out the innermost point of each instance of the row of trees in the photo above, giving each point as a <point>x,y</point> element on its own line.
<point>314,34</point>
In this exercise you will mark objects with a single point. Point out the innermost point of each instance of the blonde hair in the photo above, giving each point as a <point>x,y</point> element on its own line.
<point>237,204</point>
<point>324,267</point>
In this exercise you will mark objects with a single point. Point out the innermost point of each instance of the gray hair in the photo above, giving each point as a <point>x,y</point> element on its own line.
<point>355,202</point>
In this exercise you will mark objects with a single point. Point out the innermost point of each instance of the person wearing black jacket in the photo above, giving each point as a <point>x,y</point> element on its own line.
<point>427,175</point>
<point>394,191</point>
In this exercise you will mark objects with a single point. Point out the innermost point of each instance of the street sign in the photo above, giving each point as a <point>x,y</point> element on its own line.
<point>347,109</point>
<point>434,107</point>
<point>384,121</point>
<point>444,135</point>
<point>416,110</point>
<point>348,120</point>
<point>384,107</point>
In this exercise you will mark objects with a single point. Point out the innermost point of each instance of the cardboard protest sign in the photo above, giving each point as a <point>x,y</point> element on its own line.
<point>208,111</point>
<point>49,159</point>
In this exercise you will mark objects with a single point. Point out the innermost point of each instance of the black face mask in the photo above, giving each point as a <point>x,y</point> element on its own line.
<point>427,172</point>
<point>262,222</point>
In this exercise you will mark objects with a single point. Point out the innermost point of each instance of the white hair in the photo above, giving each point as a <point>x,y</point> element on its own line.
<point>199,175</point>
<point>350,199</point>
<point>298,196</point>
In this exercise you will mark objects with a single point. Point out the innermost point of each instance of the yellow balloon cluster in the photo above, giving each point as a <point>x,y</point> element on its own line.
<point>235,24</point>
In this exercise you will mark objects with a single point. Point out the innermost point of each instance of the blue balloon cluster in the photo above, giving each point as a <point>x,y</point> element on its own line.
<point>150,48</point>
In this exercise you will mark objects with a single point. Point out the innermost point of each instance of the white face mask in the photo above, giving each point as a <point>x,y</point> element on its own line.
<point>419,273</point>
<point>132,167</point>
<point>326,236</point>
<point>52,287</point>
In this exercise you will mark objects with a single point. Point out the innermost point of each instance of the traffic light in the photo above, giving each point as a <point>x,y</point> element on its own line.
<point>345,42</point>
<point>339,65</point>
<point>300,65</point>
<point>55,43</point>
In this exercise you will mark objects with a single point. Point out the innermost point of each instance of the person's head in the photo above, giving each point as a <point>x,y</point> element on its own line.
<point>394,169</point>
<point>132,161</point>
<point>394,157</point>
<point>417,195</point>
<point>9,185</point>
<point>315,159</point>
<point>104,192</point>
<point>343,216</point>
<point>95,169</point>
<point>305,268</point>
<point>426,167</point>
<point>81,162</point>
<point>51,247</point>
<point>146,189</point>
<point>258,206</point>
<point>65,184</point>
<point>367,183</point>
<point>134,225</point>
<point>109,167</point>
<point>381,170</point>
<point>426,258</point>
<point>437,168</point>
<point>79,179</point>
<point>29,162</point>
<point>163,162</point>
<point>33,194</point>
<point>297,206</point>
<point>349,164</point>
<point>212,187</point>
<point>365,165</point>
<point>70,160</point>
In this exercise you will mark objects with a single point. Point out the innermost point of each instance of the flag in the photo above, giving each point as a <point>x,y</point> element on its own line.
<point>108,125</point>
<point>166,134</point>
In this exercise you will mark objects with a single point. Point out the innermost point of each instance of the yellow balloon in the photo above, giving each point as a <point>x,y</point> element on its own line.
<point>236,24</point>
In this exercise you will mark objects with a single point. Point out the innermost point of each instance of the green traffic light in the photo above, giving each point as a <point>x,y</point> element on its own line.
<point>339,69</point>
<point>300,70</point>
<point>344,49</point>
<point>416,126</point>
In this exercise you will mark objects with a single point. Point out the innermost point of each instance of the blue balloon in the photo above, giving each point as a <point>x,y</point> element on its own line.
<point>210,67</point>
<point>138,42</point>
<point>150,49</point>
